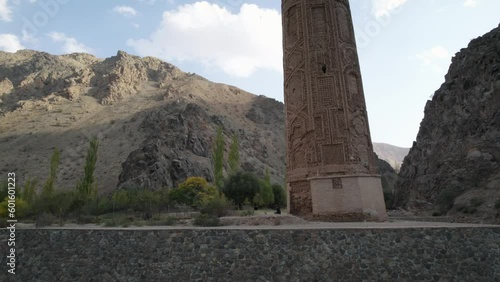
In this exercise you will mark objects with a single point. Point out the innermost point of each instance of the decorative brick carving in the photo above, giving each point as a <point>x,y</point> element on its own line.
<point>327,124</point>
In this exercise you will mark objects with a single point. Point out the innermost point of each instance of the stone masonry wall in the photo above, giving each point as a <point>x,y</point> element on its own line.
<point>439,254</point>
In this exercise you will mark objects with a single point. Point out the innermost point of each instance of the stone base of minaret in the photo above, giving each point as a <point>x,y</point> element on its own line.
<point>349,198</point>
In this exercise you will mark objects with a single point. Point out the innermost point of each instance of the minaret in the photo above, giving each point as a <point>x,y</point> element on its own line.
<point>331,169</point>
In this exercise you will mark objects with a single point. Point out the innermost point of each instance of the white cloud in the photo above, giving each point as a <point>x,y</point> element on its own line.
<point>70,44</point>
<point>239,43</point>
<point>5,11</point>
<point>384,7</point>
<point>435,58</point>
<point>10,43</point>
<point>125,10</point>
<point>470,3</point>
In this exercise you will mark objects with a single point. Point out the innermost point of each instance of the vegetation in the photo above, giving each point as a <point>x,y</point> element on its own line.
<point>279,196</point>
<point>234,156</point>
<point>218,159</point>
<point>217,206</point>
<point>138,206</point>
<point>497,204</point>
<point>48,188</point>
<point>193,192</point>
<point>241,187</point>
<point>266,190</point>
<point>87,185</point>
<point>206,220</point>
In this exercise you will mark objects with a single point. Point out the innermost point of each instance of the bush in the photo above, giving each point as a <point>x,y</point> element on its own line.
<point>21,208</point>
<point>217,206</point>
<point>240,187</point>
<point>193,192</point>
<point>497,204</point>
<point>206,220</point>
<point>279,196</point>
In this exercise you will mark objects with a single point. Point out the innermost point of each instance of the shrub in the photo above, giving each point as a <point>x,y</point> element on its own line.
<point>21,208</point>
<point>497,204</point>
<point>193,192</point>
<point>279,196</point>
<point>217,206</point>
<point>240,187</point>
<point>206,220</point>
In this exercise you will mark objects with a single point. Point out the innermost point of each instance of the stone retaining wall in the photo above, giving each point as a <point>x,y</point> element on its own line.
<point>431,254</point>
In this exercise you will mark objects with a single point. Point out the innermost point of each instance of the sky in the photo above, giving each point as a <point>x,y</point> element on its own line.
<point>405,46</point>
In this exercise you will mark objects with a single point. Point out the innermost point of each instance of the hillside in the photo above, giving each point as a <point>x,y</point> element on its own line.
<point>394,155</point>
<point>155,123</point>
<point>453,167</point>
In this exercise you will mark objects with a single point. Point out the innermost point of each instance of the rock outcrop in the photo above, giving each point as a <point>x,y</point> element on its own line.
<point>156,123</point>
<point>455,159</point>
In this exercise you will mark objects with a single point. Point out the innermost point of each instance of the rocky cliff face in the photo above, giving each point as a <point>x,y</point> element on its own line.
<point>156,123</point>
<point>455,161</point>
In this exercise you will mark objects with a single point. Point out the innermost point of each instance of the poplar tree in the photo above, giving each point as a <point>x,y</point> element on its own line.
<point>48,188</point>
<point>218,158</point>
<point>234,155</point>
<point>87,185</point>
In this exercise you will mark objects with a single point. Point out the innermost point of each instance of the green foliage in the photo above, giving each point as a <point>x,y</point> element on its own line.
<point>145,201</point>
<point>497,204</point>
<point>266,190</point>
<point>388,198</point>
<point>218,159</point>
<point>279,196</point>
<point>193,192</point>
<point>61,204</point>
<point>120,200</point>
<point>4,188</point>
<point>87,185</point>
<point>48,188</point>
<point>21,207</point>
<point>217,206</point>
<point>240,187</point>
<point>206,220</point>
<point>234,156</point>
<point>29,190</point>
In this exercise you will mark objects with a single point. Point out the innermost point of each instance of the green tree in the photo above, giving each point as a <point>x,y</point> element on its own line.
<point>29,190</point>
<point>279,196</point>
<point>48,188</point>
<point>194,192</point>
<point>240,187</point>
<point>266,190</point>
<point>218,159</point>
<point>234,156</point>
<point>87,185</point>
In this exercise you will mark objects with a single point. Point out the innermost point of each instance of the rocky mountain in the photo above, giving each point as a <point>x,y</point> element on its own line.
<point>155,123</point>
<point>394,155</point>
<point>453,167</point>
